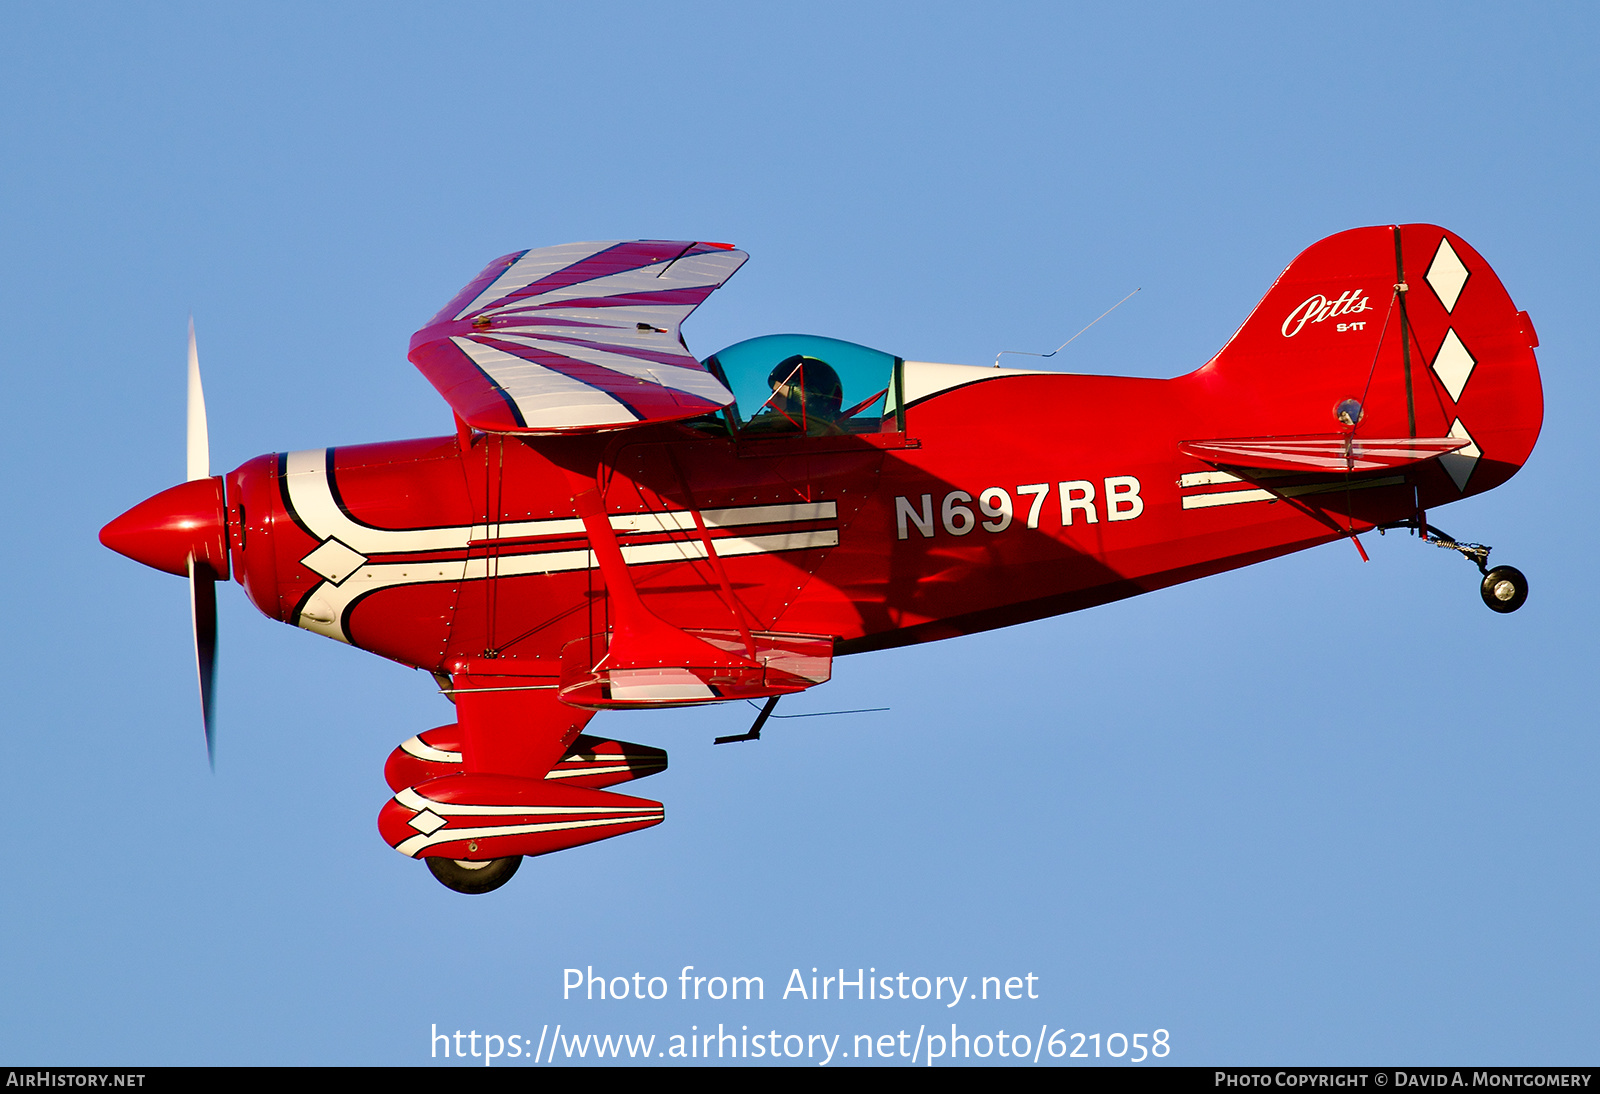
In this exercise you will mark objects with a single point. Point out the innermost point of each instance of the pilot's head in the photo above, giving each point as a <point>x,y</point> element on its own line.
<point>809,383</point>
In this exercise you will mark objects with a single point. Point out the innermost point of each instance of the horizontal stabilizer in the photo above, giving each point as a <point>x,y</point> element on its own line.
<point>1336,452</point>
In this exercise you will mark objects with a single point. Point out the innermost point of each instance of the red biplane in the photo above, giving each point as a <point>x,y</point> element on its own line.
<point>616,524</point>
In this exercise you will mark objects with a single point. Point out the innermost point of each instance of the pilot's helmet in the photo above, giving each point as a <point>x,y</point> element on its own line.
<point>806,380</point>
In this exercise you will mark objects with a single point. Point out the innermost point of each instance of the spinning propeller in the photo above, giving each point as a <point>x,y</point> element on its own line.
<point>184,531</point>
<point>202,582</point>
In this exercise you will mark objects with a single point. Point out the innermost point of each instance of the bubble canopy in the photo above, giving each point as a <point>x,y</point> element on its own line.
<point>866,376</point>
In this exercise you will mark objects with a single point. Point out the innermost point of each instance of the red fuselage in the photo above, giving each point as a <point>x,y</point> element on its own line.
<point>581,550</point>
<point>1003,500</point>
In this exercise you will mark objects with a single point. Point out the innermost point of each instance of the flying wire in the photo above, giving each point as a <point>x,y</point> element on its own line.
<point>1069,341</point>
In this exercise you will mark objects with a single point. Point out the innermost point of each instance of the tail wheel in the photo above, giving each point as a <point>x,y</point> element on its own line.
<point>474,877</point>
<point>1504,589</point>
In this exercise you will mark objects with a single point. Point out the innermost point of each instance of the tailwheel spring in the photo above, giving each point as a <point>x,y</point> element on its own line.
<point>1504,588</point>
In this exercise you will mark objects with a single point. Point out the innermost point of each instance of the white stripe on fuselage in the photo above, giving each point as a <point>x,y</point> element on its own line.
<point>1236,497</point>
<point>312,496</point>
<point>324,609</point>
<point>309,490</point>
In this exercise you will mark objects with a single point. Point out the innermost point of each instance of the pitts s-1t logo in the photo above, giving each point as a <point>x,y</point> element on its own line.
<point>1317,308</point>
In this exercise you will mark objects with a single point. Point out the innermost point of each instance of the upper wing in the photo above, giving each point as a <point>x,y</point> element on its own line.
<point>577,338</point>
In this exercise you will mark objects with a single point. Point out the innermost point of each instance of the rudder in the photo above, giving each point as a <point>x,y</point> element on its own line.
<point>1448,354</point>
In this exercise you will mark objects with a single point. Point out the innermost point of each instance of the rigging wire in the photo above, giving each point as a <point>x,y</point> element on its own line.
<point>1069,341</point>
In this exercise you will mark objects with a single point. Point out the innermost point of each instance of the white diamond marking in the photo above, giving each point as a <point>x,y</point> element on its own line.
<point>1446,275</point>
<point>1461,462</point>
<point>427,822</point>
<point>333,560</point>
<point>1453,365</point>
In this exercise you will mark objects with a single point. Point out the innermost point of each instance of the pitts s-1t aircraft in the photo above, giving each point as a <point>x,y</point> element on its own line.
<point>616,524</point>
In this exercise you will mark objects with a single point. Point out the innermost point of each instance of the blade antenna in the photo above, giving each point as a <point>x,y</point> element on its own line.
<point>1074,338</point>
<point>754,733</point>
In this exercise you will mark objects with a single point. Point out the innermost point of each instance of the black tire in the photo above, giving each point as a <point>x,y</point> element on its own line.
<point>474,877</point>
<point>1504,589</point>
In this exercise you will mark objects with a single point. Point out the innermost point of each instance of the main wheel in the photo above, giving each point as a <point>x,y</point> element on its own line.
<point>474,877</point>
<point>1504,589</point>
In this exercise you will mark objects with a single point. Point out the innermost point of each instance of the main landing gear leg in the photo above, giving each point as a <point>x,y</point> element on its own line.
<point>512,728</point>
<point>1503,588</point>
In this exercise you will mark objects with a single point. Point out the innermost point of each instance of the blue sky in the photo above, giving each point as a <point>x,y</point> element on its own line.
<point>1315,811</point>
